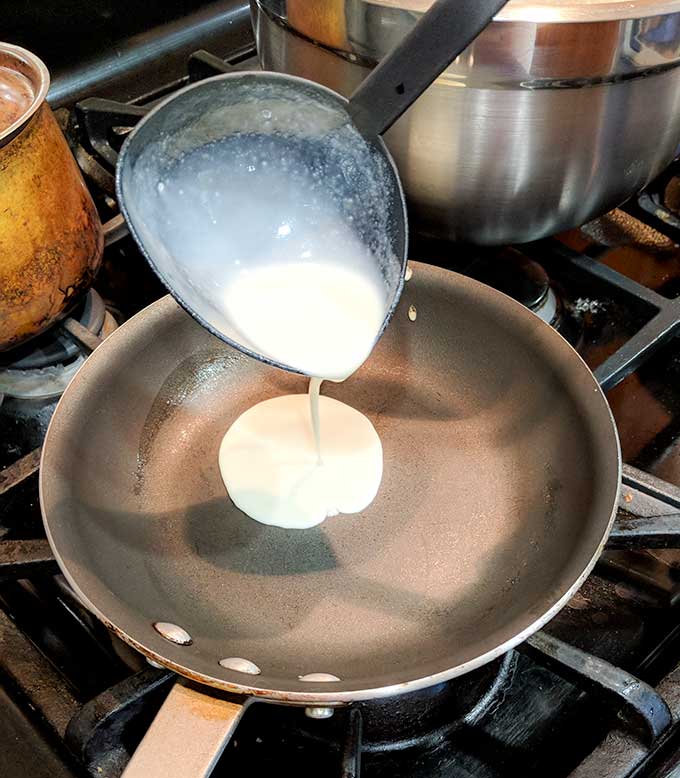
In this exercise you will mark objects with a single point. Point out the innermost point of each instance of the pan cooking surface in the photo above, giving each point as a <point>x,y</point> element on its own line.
<point>501,469</point>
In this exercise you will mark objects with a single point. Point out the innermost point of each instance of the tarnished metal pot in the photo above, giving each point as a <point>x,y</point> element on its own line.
<point>50,234</point>
<point>558,112</point>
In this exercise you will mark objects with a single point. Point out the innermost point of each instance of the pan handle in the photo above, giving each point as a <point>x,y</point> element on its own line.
<point>188,735</point>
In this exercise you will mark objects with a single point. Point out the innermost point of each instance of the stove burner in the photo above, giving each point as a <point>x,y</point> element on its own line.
<point>524,279</point>
<point>43,368</point>
<point>547,309</point>
<point>54,347</point>
<point>419,719</point>
<point>521,278</point>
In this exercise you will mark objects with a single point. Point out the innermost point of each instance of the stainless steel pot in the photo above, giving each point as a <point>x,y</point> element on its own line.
<point>558,112</point>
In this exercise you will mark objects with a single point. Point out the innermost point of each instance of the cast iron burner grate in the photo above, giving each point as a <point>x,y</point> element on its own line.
<point>97,697</point>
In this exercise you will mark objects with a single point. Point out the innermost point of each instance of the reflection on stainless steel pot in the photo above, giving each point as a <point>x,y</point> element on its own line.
<point>557,113</point>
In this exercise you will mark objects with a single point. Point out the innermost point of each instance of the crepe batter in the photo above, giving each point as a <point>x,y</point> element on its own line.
<point>295,460</point>
<point>270,466</point>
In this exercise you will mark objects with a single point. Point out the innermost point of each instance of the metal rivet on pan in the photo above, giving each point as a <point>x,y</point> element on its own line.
<point>155,664</point>
<point>319,713</point>
<point>314,677</point>
<point>173,633</point>
<point>412,312</point>
<point>240,665</point>
<point>408,275</point>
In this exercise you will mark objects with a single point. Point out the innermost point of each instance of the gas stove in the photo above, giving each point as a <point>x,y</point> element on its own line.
<point>596,694</point>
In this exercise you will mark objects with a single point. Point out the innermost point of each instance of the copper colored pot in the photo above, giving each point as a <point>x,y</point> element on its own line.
<point>50,235</point>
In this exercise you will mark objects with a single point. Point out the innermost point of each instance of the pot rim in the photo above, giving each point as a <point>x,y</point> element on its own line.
<point>543,11</point>
<point>34,69</point>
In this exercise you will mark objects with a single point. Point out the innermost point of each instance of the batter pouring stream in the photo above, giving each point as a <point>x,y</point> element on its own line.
<point>295,460</point>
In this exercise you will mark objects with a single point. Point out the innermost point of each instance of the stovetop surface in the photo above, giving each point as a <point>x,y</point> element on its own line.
<point>75,701</point>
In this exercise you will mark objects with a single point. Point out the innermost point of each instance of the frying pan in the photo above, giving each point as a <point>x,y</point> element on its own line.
<point>501,477</point>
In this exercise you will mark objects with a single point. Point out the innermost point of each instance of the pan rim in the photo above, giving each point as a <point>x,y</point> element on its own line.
<point>319,693</point>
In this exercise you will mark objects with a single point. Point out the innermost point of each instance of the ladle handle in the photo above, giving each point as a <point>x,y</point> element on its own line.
<point>443,32</point>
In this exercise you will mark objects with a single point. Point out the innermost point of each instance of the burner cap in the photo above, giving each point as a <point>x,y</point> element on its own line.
<point>54,347</point>
<point>547,309</point>
<point>519,277</point>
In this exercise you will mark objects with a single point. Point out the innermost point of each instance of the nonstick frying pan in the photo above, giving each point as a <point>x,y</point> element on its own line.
<point>500,484</point>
